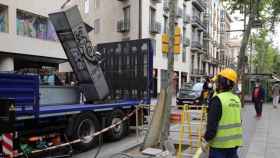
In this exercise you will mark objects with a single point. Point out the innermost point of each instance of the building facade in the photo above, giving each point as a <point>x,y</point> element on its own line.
<point>28,40</point>
<point>203,46</point>
<point>120,20</point>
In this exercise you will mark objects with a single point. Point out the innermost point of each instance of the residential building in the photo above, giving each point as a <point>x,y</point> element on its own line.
<point>198,27</point>
<point>225,57</point>
<point>211,38</point>
<point>234,47</point>
<point>28,40</point>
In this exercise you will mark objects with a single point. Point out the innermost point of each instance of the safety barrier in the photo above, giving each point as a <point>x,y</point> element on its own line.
<point>81,139</point>
<point>195,129</point>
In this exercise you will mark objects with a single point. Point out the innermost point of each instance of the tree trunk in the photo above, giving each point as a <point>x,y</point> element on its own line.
<point>242,54</point>
<point>159,128</point>
<point>168,86</point>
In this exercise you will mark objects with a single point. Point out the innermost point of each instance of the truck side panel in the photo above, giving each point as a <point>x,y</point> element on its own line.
<point>24,89</point>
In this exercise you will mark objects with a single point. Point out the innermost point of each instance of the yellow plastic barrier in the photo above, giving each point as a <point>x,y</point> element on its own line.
<point>194,136</point>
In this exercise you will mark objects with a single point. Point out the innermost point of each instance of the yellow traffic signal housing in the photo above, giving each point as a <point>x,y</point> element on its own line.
<point>164,39</point>
<point>177,42</point>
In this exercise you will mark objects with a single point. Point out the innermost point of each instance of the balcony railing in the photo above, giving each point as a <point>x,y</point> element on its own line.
<point>206,57</point>
<point>123,26</point>
<point>198,72</point>
<point>196,44</point>
<point>155,27</point>
<point>196,21</point>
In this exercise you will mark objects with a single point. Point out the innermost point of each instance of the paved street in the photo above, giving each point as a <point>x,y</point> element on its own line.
<point>261,137</point>
<point>109,149</point>
<point>265,137</point>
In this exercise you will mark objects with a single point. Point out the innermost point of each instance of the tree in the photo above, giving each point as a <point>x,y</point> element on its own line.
<point>266,58</point>
<point>265,11</point>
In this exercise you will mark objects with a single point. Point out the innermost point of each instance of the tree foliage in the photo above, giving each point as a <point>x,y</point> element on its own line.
<point>268,11</point>
<point>267,58</point>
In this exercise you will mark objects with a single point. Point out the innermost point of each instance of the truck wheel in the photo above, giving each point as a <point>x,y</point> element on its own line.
<point>119,131</point>
<point>84,125</point>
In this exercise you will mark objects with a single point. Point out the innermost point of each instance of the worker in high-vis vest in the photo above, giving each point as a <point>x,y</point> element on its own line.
<point>223,133</point>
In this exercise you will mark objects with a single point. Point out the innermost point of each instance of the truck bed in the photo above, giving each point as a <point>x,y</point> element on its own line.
<point>58,110</point>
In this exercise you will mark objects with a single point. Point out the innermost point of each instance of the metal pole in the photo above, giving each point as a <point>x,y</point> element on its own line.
<point>137,125</point>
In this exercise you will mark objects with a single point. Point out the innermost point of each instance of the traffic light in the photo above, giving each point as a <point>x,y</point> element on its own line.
<point>164,39</point>
<point>177,42</point>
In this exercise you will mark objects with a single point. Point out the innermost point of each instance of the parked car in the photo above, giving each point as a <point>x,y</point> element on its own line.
<point>190,95</point>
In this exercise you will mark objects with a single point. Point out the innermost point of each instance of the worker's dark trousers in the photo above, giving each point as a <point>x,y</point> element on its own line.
<point>223,153</point>
<point>258,107</point>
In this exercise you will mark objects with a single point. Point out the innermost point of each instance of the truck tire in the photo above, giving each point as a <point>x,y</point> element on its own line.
<point>81,126</point>
<point>119,131</point>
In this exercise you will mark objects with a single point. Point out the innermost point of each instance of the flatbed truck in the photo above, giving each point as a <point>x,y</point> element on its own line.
<point>110,85</point>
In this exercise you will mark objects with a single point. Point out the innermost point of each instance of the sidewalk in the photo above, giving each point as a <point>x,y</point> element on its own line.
<point>262,137</point>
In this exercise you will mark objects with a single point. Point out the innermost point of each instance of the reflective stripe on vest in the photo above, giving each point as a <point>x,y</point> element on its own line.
<point>228,126</point>
<point>229,133</point>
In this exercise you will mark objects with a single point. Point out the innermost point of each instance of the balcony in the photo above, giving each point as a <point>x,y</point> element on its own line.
<point>196,22</point>
<point>206,36</point>
<point>196,45</point>
<point>123,26</point>
<point>199,4</point>
<point>206,19</point>
<point>195,71</point>
<point>179,12</point>
<point>214,61</point>
<point>156,1</point>
<point>186,18</point>
<point>155,28</point>
<point>198,72</point>
<point>206,57</point>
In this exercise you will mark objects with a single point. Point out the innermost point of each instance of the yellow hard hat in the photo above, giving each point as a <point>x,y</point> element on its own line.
<point>229,74</point>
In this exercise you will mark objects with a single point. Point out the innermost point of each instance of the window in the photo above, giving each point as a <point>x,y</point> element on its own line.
<point>87,4</point>
<point>96,26</point>
<point>192,66</point>
<point>152,16</point>
<point>222,15</point>
<point>32,25</point>
<point>4,18</point>
<point>126,13</point>
<point>222,27</point>
<point>165,22</point>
